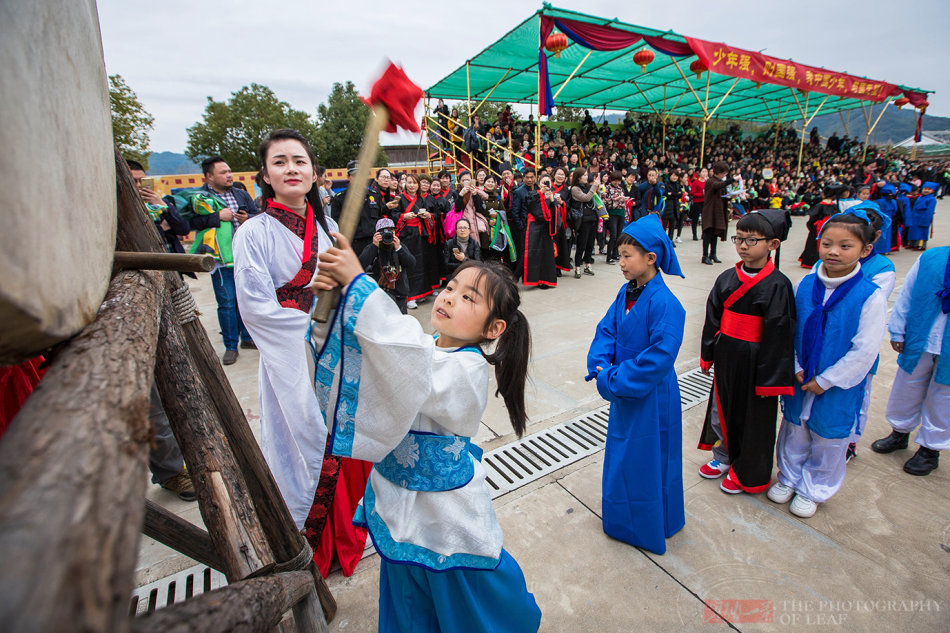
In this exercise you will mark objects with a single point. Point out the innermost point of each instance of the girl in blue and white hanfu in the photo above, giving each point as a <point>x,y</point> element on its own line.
<point>410,403</point>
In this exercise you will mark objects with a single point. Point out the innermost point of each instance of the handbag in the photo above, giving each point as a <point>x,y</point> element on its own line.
<point>451,218</point>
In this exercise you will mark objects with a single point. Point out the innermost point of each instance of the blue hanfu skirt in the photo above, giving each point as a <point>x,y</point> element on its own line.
<point>413,599</point>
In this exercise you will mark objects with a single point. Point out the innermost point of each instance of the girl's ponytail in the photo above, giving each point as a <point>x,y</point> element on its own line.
<point>513,348</point>
<point>510,359</point>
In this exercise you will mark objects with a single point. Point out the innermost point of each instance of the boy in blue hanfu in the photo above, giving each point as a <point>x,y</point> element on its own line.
<point>920,396</point>
<point>632,357</point>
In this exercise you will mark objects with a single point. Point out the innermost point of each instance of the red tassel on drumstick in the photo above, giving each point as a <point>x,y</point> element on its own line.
<point>393,99</point>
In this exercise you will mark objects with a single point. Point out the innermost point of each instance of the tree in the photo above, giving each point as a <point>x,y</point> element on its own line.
<point>488,112</point>
<point>234,130</point>
<point>131,123</point>
<point>563,114</point>
<point>342,122</point>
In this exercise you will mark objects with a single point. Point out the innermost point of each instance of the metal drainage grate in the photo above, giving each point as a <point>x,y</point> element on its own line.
<point>508,468</point>
<point>511,466</point>
<point>175,588</point>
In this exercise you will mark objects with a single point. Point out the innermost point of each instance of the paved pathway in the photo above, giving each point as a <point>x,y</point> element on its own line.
<point>877,556</point>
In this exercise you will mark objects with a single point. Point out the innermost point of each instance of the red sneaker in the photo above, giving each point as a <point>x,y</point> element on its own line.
<point>729,486</point>
<point>713,469</point>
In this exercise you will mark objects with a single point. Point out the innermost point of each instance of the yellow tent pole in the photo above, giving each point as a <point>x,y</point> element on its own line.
<point>468,90</point>
<point>689,85</point>
<point>642,94</point>
<point>710,115</point>
<point>705,105</point>
<point>663,144</point>
<point>491,91</point>
<point>871,130</point>
<point>571,76</point>
<point>801,145</point>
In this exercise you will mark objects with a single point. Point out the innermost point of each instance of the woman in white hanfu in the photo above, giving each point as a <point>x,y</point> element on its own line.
<point>410,403</point>
<point>275,258</point>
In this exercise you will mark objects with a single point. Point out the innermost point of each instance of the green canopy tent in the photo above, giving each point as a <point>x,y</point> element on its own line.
<point>592,66</point>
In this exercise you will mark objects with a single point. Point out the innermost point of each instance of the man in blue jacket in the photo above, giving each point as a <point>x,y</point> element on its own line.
<point>219,182</point>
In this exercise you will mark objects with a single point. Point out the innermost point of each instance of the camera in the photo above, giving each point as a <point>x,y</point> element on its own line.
<point>388,237</point>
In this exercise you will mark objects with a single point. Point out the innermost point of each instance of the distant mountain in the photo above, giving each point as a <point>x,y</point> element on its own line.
<point>167,163</point>
<point>895,126</point>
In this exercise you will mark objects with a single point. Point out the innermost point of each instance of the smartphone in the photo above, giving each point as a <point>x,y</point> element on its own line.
<point>148,182</point>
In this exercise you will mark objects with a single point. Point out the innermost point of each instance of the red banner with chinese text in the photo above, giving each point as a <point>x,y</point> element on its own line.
<point>736,62</point>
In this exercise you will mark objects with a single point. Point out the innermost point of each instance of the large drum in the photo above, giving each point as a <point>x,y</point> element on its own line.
<point>57,173</point>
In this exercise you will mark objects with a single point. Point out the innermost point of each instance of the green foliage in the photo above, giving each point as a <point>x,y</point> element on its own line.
<point>131,123</point>
<point>563,114</point>
<point>342,122</point>
<point>234,130</point>
<point>488,112</point>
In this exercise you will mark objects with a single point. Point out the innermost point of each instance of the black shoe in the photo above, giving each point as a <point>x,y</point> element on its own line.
<point>230,357</point>
<point>707,261</point>
<point>851,453</point>
<point>715,259</point>
<point>923,461</point>
<point>896,440</point>
<point>695,239</point>
<point>558,272</point>
<point>248,345</point>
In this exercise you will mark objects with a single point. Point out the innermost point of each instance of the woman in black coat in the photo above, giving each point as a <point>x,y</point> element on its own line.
<point>461,247</point>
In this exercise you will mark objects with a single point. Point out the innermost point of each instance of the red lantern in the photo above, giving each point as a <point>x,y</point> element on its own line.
<point>643,57</point>
<point>698,67</point>
<point>900,103</point>
<point>922,106</point>
<point>556,43</point>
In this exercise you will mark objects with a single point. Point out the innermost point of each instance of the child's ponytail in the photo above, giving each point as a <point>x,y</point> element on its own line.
<point>510,358</point>
<point>513,348</point>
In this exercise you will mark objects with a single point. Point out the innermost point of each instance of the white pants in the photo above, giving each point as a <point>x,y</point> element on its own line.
<point>813,465</point>
<point>863,416</point>
<point>916,400</point>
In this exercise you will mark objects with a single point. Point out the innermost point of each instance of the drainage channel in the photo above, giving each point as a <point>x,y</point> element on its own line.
<point>507,468</point>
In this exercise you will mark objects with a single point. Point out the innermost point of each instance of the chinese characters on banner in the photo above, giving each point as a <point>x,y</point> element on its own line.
<point>735,62</point>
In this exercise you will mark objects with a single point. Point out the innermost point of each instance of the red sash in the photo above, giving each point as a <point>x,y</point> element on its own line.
<point>296,292</point>
<point>744,327</point>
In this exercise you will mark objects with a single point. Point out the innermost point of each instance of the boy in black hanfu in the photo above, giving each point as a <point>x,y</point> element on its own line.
<point>748,336</point>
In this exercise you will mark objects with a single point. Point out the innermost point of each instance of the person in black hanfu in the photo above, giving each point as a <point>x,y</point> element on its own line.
<point>748,336</point>
<point>543,210</point>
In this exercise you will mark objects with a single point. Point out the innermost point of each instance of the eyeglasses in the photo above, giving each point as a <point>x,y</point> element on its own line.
<point>750,241</point>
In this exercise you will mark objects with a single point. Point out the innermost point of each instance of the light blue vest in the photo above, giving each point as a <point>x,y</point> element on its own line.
<point>924,309</point>
<point>835,412</point>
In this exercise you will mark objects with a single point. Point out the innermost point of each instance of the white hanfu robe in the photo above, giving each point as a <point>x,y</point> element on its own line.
<point>267,255</point>
<point>386,386</point>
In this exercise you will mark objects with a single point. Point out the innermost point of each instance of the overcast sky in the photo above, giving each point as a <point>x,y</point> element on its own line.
<point>176,53</point>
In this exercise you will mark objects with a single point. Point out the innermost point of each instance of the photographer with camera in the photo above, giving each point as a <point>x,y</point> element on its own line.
<point>385,259</point>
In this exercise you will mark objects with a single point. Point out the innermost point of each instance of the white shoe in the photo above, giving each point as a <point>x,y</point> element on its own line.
<point>679,240</point>
<point>412,305</point>
<point>780,493</point>
<point>803,507</point>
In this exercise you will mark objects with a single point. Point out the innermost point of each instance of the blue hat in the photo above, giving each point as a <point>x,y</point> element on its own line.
<point>931,185</point>
<point>648,232</point>
<point>857,211</point>
<point>905,187</point>
<point>870,205</point>
<point>889,190</point>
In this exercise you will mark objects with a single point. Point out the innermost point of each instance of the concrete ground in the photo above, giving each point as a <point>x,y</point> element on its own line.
<point>875,557</point>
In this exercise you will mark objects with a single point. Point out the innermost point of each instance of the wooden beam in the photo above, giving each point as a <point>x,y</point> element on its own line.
<point>182,536</point>
<point>73,469</point>
<point>249,606</point>
<point>130,260</point>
